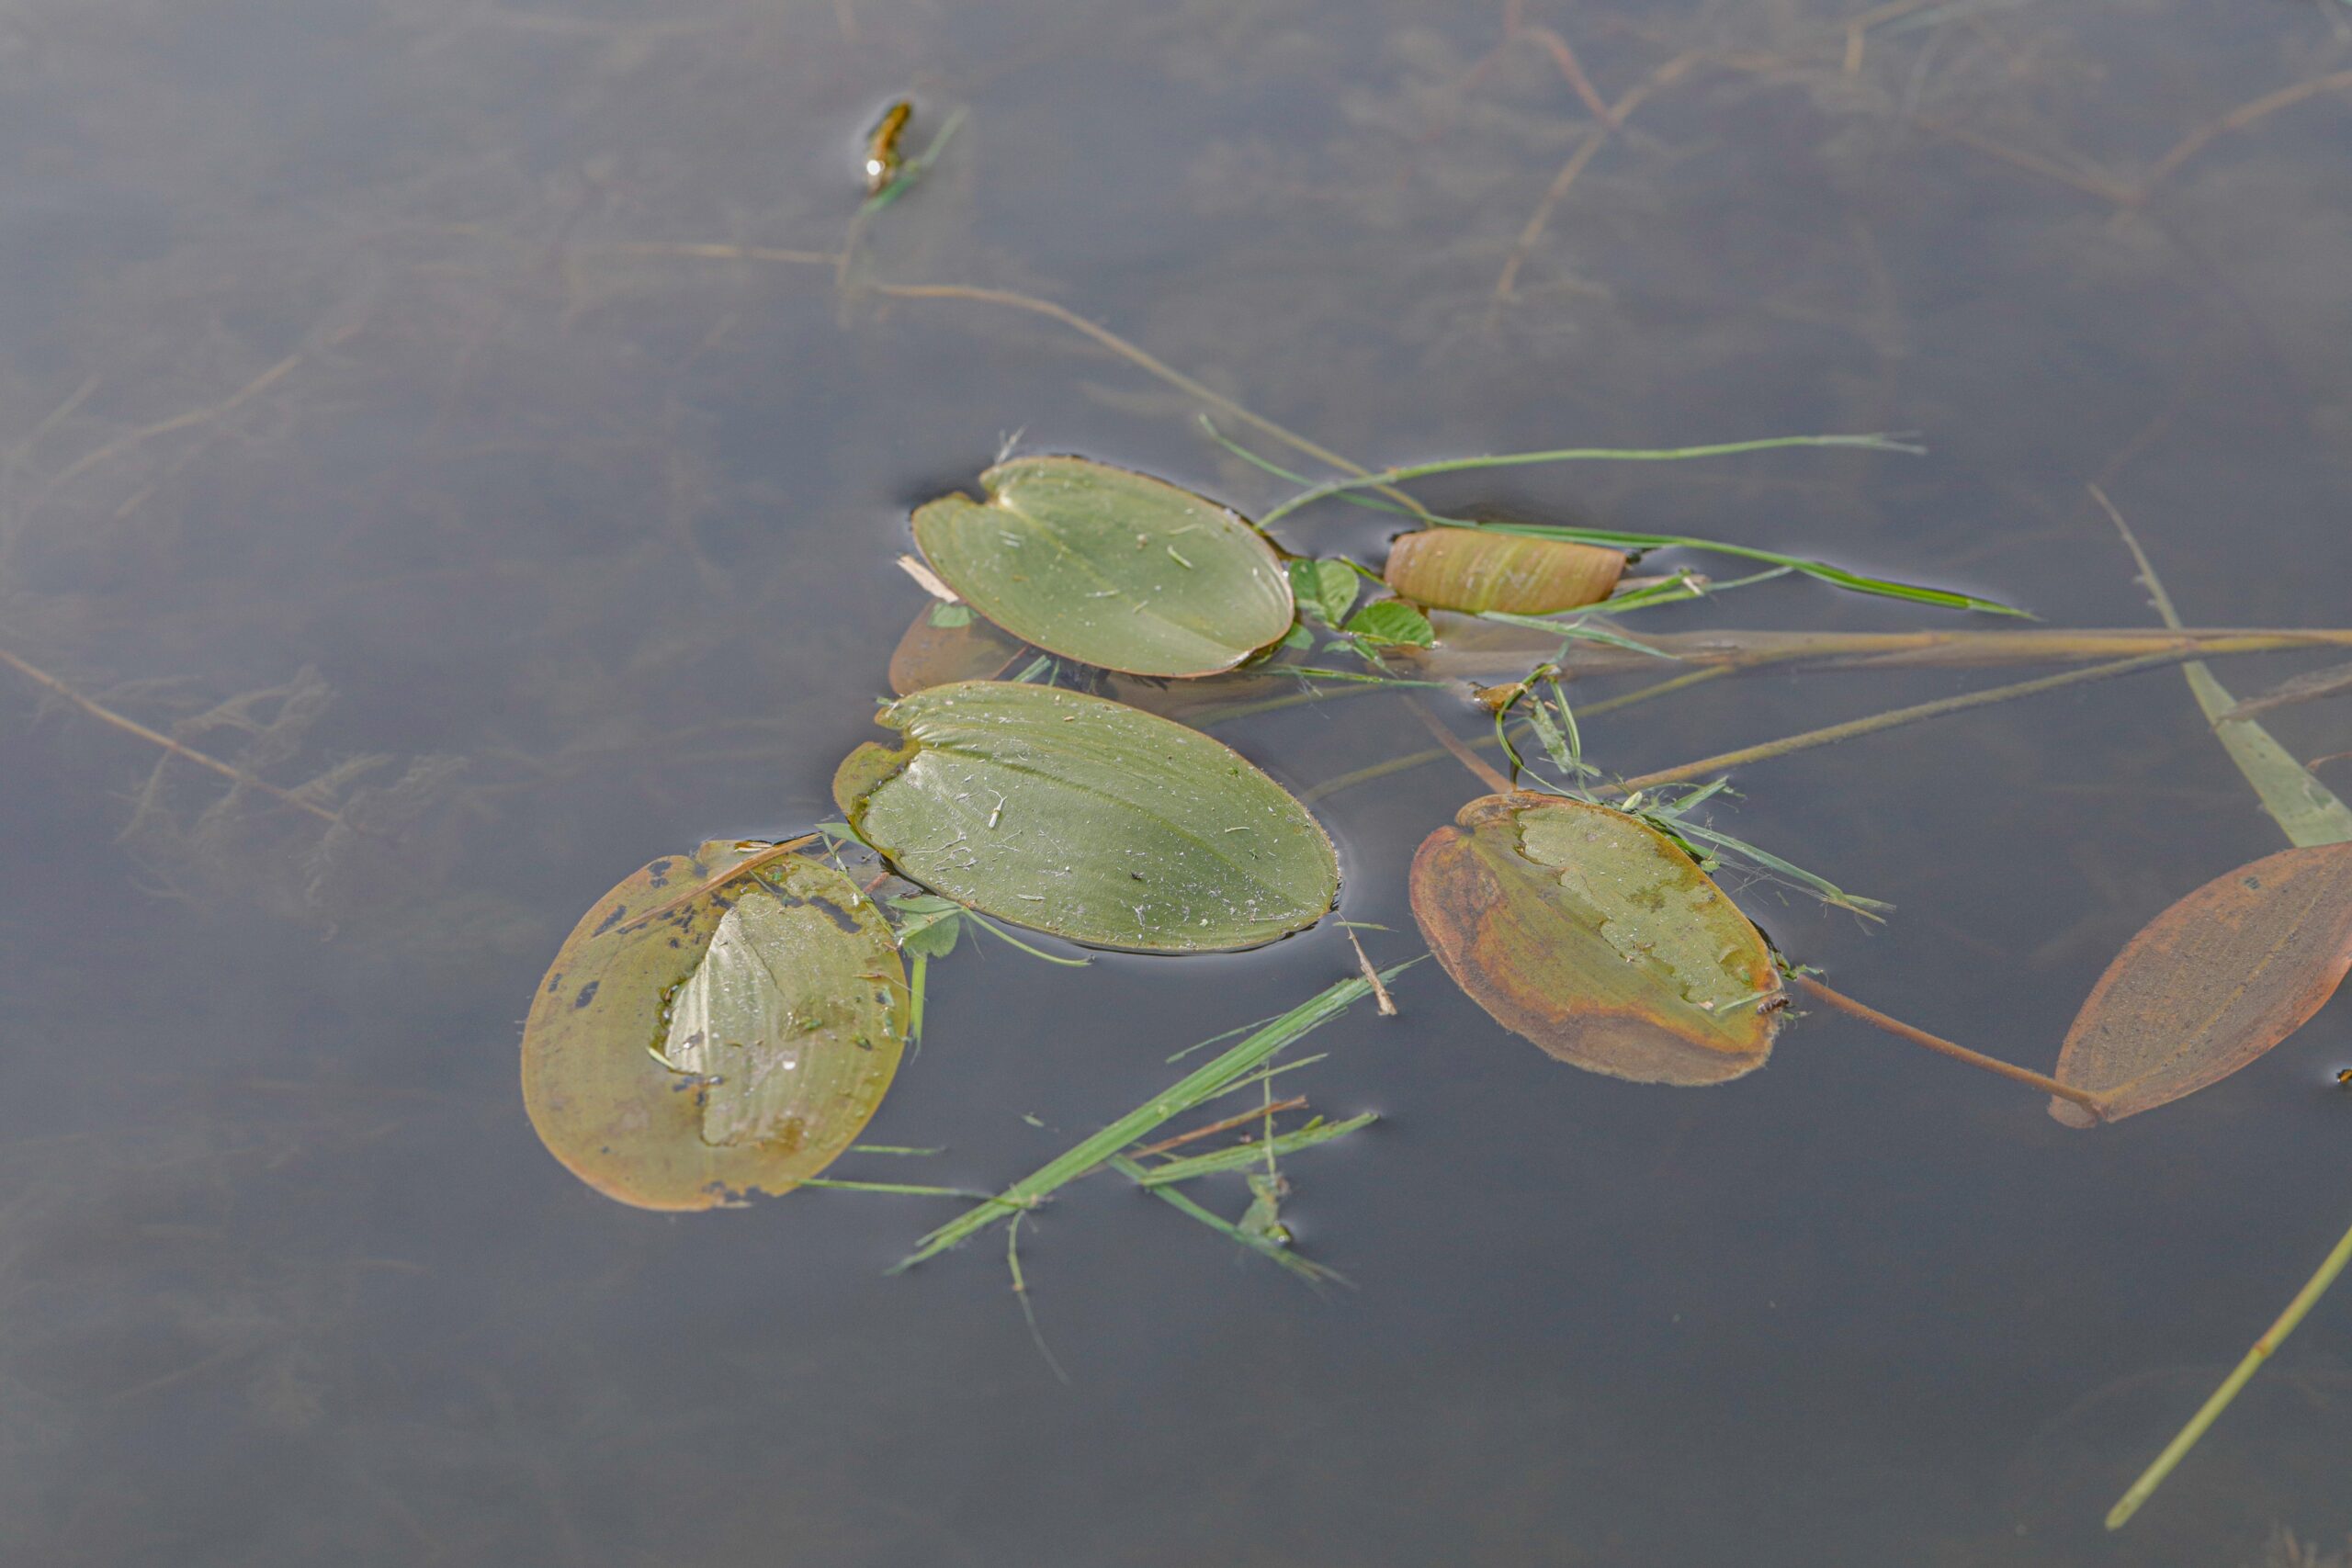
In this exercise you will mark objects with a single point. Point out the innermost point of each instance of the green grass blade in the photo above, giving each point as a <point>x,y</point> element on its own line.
<point>1821,887</point>
<point>1241,1155</point>
<point>1836,576</point>
<point>1875,443</point>
<point>1266,1247</point>
<point>1578,631</point>
<point>1005,936</point>
<point>2305,808</point>
<point>2153,1477</point>
<point>1203,1083</point>
<point>1819,570</point>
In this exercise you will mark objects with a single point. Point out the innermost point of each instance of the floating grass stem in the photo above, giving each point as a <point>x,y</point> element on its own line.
<point>1202,1084</point>
<point>1874,443</point>
<point>1241,1155</point>
<point>2272,1337</point>
<point>1267,1246</point>
<point>2306,810</point>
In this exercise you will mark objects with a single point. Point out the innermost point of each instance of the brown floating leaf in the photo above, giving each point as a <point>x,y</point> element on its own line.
<point>948,643</point>
<point>739,1042</point>
<point>1465,569</point>
<point>2212,983</point>
<point>1593,935</point>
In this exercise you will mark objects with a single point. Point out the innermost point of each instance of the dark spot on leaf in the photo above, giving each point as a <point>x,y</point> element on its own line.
<point>834,912</point>
<point>2252,882</point>
<point>609,922</point>
<point>587,994</point>
<point>555,979</point>
<point>658,873</point>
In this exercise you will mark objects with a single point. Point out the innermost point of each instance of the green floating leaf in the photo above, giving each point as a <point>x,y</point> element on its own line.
<point>1465,569</point>
<point>1109,568</point>
<point>1392,622</point>
<point>1325,587</point>
<point>1593,935</point>
<point>1087,818</point>
<point>737,1044</point>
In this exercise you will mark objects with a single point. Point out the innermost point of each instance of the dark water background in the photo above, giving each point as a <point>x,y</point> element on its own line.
<point>352,375</point>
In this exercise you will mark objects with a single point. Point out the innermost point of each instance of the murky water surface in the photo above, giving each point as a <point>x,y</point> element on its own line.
<point>459,409</point>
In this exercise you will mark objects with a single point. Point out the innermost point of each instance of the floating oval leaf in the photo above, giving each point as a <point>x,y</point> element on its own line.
<point>2212,983</point>
<point>1088,819</point>
<point>1109,568</point>
<point>737,1044</point>
<point>1594,936</point>
<point>1471,569</point>
<point>947,643</point>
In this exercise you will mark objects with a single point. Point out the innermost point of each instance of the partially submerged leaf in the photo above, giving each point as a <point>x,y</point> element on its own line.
<point>1593,935</point>
<point>1088,819</point>
<point>737,1044</point>
<point>1325,587</point>
<point>2212,983</point>
<point>957,645</point>
<point>1109,567</point>
<point>1469,570</point>
<point>1393,623</point>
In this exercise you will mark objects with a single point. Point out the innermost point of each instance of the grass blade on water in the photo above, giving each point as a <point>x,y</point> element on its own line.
<point>2272,1337</point>
<point>1202,1084</point>
<point>2305,808</point>
<point>1241,1155</point>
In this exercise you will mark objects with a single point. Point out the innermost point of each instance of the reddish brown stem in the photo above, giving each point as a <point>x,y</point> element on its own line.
<point>1255,1113</point>
<point>1869,1014</point>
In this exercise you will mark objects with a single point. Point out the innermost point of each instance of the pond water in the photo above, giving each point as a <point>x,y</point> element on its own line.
<point>462,405</point>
